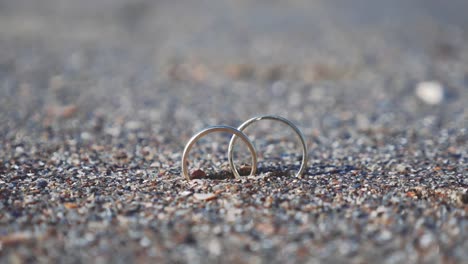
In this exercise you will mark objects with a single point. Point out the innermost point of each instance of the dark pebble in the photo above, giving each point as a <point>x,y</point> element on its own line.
<point>464,198</point>
<point>41,183</point>
<point>198,174</point>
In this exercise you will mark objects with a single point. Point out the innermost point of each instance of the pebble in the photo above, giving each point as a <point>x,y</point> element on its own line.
<point>145,242</point>
<point>86,136</point>
<point>430,92</point>
<point>384,236</point>
<point>401,168</point>
<point>185,193</point>
<point>463,197</point>
<point>15,238</point>
<point>133,125</point>
<point>204,196</point>
<point>41,183</point>
<point>214,247</point>
<point>198,174</point>
<point>425,240</point>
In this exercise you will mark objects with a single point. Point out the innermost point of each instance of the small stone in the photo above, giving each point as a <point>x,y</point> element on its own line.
<point>19,149</point>
<point>240,71</point>
<point>384,236</point>
<point>145,242</point>
<point>265,228</point>
<point>464,197</point>
<point>56,83</point>
<point>185,193</point>
<point>41,183</point>
<point>15,238</point>
<point>431,92</point>
<point>412,194</point>
<point>70,205</point>
<point>86,136</point>
<point>113,131</point>
<point>68,111</point>
<point>205,196</point>
<point>133,125</point>
<point>155,164</point>
<point>198,174</point>
<point>425,240</point>
<point>362,122</point>
<point>245,170</point>
<point>120,155</point>
<point>401,168</point>
<point>268,202</point>
<point>214,247</point>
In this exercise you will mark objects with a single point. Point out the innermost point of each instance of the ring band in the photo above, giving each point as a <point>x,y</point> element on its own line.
<point>270,117</point>
<point>228,129</point>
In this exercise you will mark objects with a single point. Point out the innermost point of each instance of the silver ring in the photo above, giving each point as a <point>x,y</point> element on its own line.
<point>228,129</point>
<point>270,117</point>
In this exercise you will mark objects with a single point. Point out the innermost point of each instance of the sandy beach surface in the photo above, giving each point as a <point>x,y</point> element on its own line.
<point>99,98</point>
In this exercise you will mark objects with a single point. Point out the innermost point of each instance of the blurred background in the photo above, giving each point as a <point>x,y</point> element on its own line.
<point>176,66</point>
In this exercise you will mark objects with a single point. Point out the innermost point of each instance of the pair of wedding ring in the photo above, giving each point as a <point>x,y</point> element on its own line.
<point>238,132</point>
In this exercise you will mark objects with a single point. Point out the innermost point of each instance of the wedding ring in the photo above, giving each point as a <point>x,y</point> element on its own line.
<point>211,129</point>
<point>269,117</point>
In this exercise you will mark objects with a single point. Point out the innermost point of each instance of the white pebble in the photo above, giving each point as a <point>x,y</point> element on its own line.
<point>204,196</point>
<point>19,149</point>
<point>145,242</point>
<point>426,240</point>
<point>214,247</point>
<point>86,136</point>
<point>133,125</point>
<point>431,92</point>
